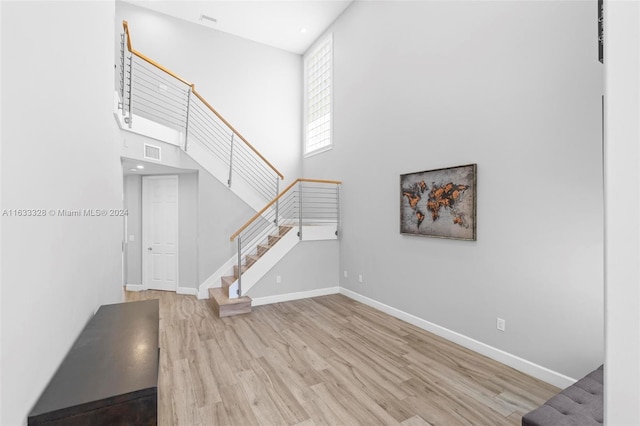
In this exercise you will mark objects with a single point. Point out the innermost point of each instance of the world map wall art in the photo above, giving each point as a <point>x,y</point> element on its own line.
<point>439,203</point>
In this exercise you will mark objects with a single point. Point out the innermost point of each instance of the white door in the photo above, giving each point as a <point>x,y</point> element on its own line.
<point>160,232</point>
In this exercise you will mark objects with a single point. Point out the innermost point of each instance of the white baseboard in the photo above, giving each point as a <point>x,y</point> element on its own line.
<point>180,290</point>
<point>267,300</point>
<point>134,287</point>
<point>187,290</point>
<point>520,364</point>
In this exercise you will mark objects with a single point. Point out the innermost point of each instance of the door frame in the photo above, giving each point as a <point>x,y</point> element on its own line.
<point>145,228</point>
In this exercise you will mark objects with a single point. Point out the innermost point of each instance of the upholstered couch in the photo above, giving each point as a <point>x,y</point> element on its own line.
<point>581,404</point>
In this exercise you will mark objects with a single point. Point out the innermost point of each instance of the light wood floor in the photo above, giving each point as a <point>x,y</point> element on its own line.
<point>325,361</point>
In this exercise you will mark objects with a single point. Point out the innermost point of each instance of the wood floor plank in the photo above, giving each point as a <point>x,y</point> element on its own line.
<point>237,406</point>
<point>335,409</point>
<point>415,421</point>
<point>426,368</point>
<point>182,396</point>
<point>317,410</point>
<point>297,343</point>
<point>221,369</point>
<point>288,406</point>
<point>259,400</point>
<point>204,382</point>
<point>379,333</point>
<point>358,352</point>
<point>361,403</point>
<point>297,361</point>
<point>325,361</point>
<point>521,402</point>
<point>250,341</point>
<point>450,396</point>
<point>214,414</point>
<point>363,377</point>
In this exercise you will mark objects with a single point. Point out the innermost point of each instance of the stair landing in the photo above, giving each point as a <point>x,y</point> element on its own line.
<point>224,307</point>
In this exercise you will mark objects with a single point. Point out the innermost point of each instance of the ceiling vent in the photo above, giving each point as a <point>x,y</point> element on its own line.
<point>151,152</point>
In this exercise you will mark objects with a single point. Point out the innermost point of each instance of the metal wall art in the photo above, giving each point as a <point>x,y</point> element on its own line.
<point>439,203</point>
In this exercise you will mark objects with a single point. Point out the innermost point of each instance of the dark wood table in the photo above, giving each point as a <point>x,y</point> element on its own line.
<point>110,375</point>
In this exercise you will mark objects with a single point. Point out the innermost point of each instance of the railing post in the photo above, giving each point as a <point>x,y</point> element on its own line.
<point>239,265</point>
<point>231,160</point>
<point>186,124</point>
<point>129,120</point>
<point>122,48</point>
<point>300,210</point>
<point>278,200</point>
<point>337,210</point>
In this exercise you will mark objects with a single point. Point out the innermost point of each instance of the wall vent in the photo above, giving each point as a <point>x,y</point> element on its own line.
<point>152,152</point>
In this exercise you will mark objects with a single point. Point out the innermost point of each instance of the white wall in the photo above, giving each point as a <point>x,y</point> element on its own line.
<point>188,229</point>
<point>0,222</point>
<point>220,214</point>
<point>133,249</point>
<point>59,152</point>
<point>257,88</point>
<point>622,62</point>
<point>516,88</point>
<point>309,266</point>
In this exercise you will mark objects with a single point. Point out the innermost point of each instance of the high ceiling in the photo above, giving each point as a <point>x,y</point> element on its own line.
<point>291,25</point>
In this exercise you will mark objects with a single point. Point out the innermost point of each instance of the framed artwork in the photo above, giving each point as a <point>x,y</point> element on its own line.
<point>439,203</point>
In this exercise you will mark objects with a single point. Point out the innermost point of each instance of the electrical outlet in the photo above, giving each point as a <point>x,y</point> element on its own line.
<point>278,279</point>
<point>360,278</point>
<point>345,274</point>
<point>501,324</point>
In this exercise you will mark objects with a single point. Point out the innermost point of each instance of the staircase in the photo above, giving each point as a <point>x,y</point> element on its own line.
<point>156,102</point>
<point>225,306</point>
<point>165,106</point>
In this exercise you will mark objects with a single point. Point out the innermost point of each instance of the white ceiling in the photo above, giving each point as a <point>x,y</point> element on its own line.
<point>291,25</point>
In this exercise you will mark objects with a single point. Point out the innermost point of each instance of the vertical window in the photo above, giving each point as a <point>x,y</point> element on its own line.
<point>318,85</point>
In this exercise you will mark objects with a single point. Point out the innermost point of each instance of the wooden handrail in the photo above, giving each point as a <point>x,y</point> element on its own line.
<point>193,89</point>
<point>125,24</point>
<point>272,202</point>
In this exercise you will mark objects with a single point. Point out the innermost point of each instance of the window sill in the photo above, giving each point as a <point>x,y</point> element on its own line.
<point>318,151</point>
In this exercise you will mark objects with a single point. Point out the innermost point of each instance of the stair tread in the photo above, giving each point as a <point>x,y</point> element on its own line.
<point>227,281</point>
<point>222,300</point>
<point>273,239</point>
<point>237,271</point>
<point>283,229</point>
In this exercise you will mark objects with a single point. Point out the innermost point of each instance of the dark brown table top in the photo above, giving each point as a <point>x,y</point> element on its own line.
<point>114,359</point>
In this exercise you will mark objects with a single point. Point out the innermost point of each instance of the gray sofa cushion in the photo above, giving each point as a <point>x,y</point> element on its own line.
<point>581,404</point>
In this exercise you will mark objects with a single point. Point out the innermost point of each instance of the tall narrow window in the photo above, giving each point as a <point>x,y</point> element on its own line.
<point>318,76</point>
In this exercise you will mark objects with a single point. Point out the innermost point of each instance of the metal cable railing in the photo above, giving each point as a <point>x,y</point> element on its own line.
<point>151,91</point>
<point>306,202</point>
